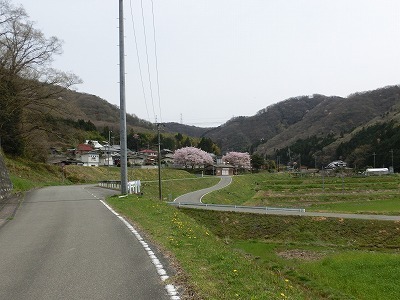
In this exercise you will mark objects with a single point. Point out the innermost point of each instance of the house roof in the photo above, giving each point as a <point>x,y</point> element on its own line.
<point>84,147</point>
<point>95,144</point>
<point>148,151</point>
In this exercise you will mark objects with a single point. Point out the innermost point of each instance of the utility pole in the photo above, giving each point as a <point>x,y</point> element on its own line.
<point>374,154</point>
<point>159,161</point>
<point>109,148</point>
<point>122,106</point>
<point>391,151</point>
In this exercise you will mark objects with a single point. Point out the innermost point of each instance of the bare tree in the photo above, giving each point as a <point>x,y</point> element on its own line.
<point>28,83</point>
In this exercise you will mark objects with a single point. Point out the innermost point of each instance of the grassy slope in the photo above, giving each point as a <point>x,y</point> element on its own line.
<point>332,258</point>
<point>26,175</point>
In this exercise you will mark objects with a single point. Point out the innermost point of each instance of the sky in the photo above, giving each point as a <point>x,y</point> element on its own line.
<point>210,60</point>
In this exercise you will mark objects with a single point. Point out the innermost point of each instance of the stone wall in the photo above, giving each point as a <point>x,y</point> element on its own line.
<point>5,182</point>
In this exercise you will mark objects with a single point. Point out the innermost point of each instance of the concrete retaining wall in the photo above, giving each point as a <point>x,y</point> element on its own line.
<point>5,182</point>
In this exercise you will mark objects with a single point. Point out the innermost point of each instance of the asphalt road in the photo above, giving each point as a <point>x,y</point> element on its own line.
<point>196,196</point>
<point>65,244</point>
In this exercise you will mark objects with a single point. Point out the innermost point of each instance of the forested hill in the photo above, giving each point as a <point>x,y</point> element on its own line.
<point>283,123</point>
<point>100,112</point>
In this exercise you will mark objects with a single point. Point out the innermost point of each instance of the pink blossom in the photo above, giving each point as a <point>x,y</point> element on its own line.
<point>192,156</point>
<point>238,159</point>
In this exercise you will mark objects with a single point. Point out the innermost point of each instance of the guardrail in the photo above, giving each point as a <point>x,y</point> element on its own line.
<point>133,186</point>
<point>235,207</point>
<point>111,184</point>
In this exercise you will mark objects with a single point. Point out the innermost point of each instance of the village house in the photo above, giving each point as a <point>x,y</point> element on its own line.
<point>108,154</point>
<point>221,170</point>
<point>150,156</point>
<point>89,159</point>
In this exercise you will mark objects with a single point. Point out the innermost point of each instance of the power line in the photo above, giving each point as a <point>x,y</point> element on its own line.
<point>138,59</point>
<point>147,59</point>
<point>155,54</point>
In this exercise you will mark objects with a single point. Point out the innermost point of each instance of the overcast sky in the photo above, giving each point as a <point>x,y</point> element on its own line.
<point>222,58</point>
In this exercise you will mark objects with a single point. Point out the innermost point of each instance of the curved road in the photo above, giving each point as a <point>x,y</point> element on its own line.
<point>196,196</point>
<point>65,244</point>
<point>193,200</point>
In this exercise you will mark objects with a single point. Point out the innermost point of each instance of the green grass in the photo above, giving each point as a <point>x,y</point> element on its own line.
<point>387,206</point>
<point>374,194</point>
<point>212,269</point>
<point>26,175</point>
<point>358,275</point>
<point>329,258</point>
<point>331,273</point>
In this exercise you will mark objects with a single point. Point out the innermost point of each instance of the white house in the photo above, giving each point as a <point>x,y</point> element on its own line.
<point>90,159</point>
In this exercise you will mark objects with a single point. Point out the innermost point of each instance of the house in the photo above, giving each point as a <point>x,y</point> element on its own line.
<point>150,155</point>
<point>137,159</point>
<point>89,159</point>
<point>108,154</point>
<point>167,157</point>
<point>336,164</point>
<point>221,170</point>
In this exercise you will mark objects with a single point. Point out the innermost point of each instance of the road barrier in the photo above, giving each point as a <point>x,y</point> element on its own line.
<point>110,184</point>
<point>237,207</point>
<point>133,186</point>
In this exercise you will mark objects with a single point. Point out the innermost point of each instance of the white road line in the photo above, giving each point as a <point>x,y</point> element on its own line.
<point>171,290</point>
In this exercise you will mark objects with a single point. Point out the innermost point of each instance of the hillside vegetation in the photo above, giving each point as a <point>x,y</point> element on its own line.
<point>26,174</point>
<point>283,123</point>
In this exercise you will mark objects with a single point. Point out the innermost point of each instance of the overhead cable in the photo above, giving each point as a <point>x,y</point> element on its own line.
<point>156,59</point>
<point>147,59</point>
<point>138,59</point>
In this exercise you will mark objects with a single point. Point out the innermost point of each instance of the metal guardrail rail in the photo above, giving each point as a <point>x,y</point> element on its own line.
<point>110,184</point>
<point>235,207</point>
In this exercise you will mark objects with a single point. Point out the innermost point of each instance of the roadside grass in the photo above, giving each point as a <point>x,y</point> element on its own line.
<point>332,258</point>
<point>26,175</point>
<point>372,195</point>
<point>79,174</point>
<point>212,269</point>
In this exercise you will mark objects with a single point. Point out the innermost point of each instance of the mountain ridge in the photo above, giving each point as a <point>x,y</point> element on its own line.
<point>273,128</point>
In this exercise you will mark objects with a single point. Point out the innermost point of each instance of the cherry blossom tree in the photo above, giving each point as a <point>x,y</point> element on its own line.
<point>238,159</point>
<point>191,157</point>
